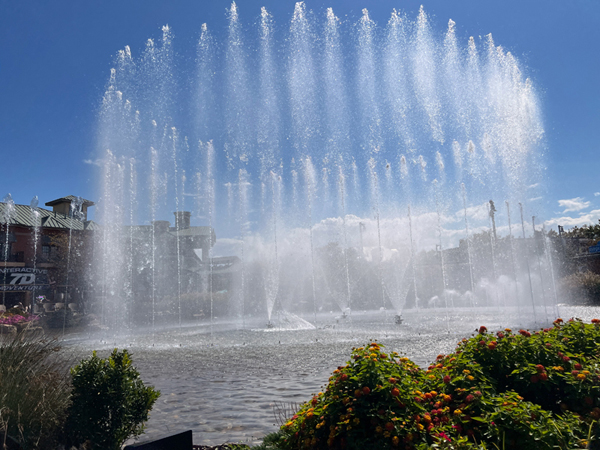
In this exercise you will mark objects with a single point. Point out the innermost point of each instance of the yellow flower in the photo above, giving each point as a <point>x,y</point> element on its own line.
<point>457,412</point>
<point>378,430</point>
<point>585,372</point>
<point>470,378</point>
<point>466,371</point>
<point>386,434</point>
<point>420,427</point>
<point>581,377</point>
<point>395,440</point>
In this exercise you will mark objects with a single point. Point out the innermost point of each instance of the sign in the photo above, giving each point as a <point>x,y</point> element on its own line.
<point>594,249</point>
<point>23,279</point>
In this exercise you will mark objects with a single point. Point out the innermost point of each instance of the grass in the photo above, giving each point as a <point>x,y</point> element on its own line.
<point>34,390</point>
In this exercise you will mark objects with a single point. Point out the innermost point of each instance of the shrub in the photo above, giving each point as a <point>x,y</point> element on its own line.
<point>34,390</point>
<point>109,402</point>
<point>506,390</point>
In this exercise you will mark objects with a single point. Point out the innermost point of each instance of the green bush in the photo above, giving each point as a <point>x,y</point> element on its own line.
<point>525,391</point>
<point>109,402</point>
<point>34,390</point>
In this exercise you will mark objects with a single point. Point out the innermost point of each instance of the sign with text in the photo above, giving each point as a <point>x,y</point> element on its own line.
<point>23,279</point>
<point>594,249</point>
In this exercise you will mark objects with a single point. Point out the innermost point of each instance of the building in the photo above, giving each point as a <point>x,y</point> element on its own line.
<point>56,253</point>
<point>34,250</point>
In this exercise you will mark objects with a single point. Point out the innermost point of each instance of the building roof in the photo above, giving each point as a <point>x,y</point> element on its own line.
<point>193,231</point>
<point>69,199</point>
<point>185,232</point>
<point>23,216</point>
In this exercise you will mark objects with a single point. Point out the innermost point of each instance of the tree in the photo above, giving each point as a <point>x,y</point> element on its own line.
<point>110,403</point>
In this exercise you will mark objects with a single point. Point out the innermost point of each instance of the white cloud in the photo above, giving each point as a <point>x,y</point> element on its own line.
<point>535,199</point>
<point>477,213</point>
<point>93,162</point>
<point>573,204</point>
<point>596,194</point>
<point>532,186</point>
<point>569,222</point>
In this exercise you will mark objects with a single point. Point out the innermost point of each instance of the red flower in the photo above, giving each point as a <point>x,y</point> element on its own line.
<point>543,376</point>
<point>444,436</point>
<point>578,366</point>
<point>395,392</point>
<point>540,368</point>
<point>500,334</point>
<point>482,330</point>
<point>596,321</point>
<point>469,398</point>
<point>366,390</point>
<point>525,333</point>
<point>534,379</point>
<point>447,379</point>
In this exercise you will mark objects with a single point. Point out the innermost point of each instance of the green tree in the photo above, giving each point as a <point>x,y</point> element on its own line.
<point>110,403</point>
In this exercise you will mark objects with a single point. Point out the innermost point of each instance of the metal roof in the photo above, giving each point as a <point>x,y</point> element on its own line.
<point>69,199</point>
<point>193,231</point>
<point>185,232</point>
<point>23,215</point>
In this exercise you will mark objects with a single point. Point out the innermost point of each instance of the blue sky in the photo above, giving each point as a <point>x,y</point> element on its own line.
<point>55,59</point>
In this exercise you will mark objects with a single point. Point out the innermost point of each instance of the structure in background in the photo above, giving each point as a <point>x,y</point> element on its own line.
<point>35,259</point>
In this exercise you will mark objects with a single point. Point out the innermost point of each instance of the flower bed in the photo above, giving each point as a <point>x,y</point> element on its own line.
<point>12,322</point>
<point>508,390</point>
<point>16,319</point>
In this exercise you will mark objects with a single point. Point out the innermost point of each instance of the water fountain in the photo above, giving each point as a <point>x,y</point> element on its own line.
<point>436,128</point>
